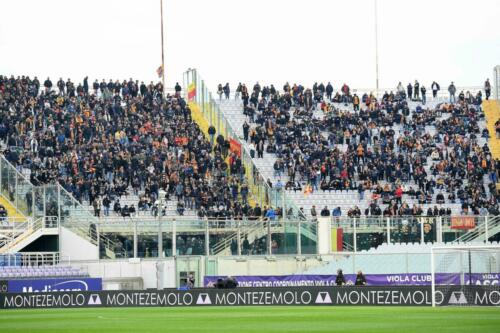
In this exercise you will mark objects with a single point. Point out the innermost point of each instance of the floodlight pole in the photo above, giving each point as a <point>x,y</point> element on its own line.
<point>162,52</point>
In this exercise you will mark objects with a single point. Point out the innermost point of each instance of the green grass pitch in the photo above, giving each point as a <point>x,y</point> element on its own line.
<point>254,319</point>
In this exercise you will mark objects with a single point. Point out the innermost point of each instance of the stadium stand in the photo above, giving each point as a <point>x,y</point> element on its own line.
<point>359,155</point>
<point>115,145</point>
<point>17,272</point>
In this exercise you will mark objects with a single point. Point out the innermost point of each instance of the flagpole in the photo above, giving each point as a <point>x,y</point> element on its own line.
<point>162,52</point>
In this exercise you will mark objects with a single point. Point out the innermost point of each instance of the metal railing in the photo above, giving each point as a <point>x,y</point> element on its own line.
<point>15,232</point>
<point>442,95</point>
<point>34,259</point>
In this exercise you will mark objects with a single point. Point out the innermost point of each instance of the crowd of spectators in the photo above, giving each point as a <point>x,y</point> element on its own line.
<point>106,140</point>
<point>377,147</point>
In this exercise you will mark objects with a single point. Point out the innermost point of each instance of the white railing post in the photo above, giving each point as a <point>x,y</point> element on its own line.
<point>16,200</point>
<point>269,241</point>
<point>486,233</point>
<point>160,241</point>
<point>135,239</point>
<point>439,230</point>
<point>44,199</point>
<point>174,238</point>
<point>98,235</point>
<point>299,241</point>
<point>238,237</point>
<point>421,230</point>
<point>59,200</point>
<point>207,238</point>
<point>388,231</point>
<point>355,242</point>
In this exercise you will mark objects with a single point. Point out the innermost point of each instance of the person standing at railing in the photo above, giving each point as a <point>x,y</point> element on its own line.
<point>238,91</point>
<point>435,88</point>
<point>416,90</point>
<point>86,85</point>
<point>47,84</point>
<point>220,91</point>
<point>177,89</point>
<point>487,88</point>
<point>422,92</point>
<point>452,90</point>
<point>329,91</point>
<point>226,90</point>
<point>409,89</point>
<point>401,90</point>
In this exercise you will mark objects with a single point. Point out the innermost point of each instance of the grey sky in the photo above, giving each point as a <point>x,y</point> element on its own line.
<point>249,40</point>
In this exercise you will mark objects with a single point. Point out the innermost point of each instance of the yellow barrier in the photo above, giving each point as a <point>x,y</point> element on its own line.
<point>491,110</point>
<point>197,116</point>
<point>201,120</point>
<point>12,211</point>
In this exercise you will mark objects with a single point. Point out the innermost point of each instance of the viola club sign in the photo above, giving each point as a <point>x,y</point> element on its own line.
<point>413,279</point>
<point>311,296</point>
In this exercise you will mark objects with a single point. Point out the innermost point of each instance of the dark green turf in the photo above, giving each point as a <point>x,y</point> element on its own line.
<point>254,319</point>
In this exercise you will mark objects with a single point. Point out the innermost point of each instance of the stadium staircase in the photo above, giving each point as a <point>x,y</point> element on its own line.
<point>18,235</point>
<point>482,232</point>
<point>33,224</point>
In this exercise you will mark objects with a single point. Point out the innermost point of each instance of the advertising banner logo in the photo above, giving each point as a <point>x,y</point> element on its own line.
<point>54,285</point>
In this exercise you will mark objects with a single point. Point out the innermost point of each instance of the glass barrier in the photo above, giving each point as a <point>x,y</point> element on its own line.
<point>308,237</point>
<point>167,237</point>
<point>254,238</point>
<point>223,237</point>
<point>284,237</point>
<point>371,232</point>
<point>405,230</point>
<point>38,202</point>
<point>24,195</point>
<point>116,239</point>
<point>7,183</point>
<point>430,226</point>
<point>190,237</point>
